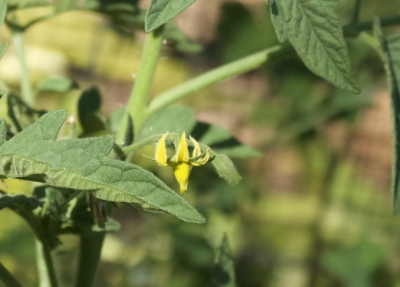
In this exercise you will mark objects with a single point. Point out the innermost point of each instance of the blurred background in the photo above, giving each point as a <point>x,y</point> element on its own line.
<point>314,211</point>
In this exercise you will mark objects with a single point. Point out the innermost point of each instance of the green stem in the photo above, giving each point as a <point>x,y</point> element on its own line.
<point>140,92</point>
<point>27,94</point>
<point>89,256</point>
<point>7,278</point>
<point>353,29</point>
<point>356,13</point>
<point>47,276</point>
<point>235,68</point>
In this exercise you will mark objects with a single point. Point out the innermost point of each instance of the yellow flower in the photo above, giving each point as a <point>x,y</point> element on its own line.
<point>181,163</point>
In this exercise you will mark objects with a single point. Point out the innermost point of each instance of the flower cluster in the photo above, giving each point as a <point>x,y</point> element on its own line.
<point>181,163</point>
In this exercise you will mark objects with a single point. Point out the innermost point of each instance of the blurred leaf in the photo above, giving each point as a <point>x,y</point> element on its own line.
<point>56,84</point>
<point>224,271</point>
<point>89,105</point>
<point>116,119</point>
<point>82,164</point>
<point>355,266</point>
<point>3,48</point>
<point>179,40</point>
<point>160,11</point>
<point>313,28</point>
<point>241,34</point>
<point>3,12</point>
<point>221,141</point>
<point>174,119</point>
<point>392,49</point>
<point>226,169</point>
<point>21,4</point>
<point>6,200</point>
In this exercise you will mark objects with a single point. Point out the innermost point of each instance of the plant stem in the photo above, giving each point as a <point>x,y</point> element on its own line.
<point>89,256</point>
<point>139,97</point>
<point>353,29</point>
<point>356,11</point>
<point>7,278</point>
<point>27,95</point>
<point>47,276</point>
<point>235,68</point>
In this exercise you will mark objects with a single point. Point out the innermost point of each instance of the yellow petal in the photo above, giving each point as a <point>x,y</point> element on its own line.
<point>182,155</point>
<point>203,160</point>
<point>197,149</point>
<point>161,151</point>
<point>181,172</point>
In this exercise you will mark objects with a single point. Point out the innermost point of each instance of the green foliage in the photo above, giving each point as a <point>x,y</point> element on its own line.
<point>392,48</point>
<point>224,271</point>
<point>56,84</point>
<point>82,164</point>
<point>312,27</point>
<point>160,11</point>
<point>355,265</point>
<point>3,49</point>
<point>8,200</point>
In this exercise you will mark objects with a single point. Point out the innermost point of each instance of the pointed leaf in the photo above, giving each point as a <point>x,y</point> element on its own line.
<point>82,164</point>
<point>224,271</point>
<point>312,27</point>
<point>56,84</point>
<point>392,49</point>
<point>160,11</point>
<point>7,200</point>
<point>226,169</point>
<point>3,49</point>
<point>3,10</point>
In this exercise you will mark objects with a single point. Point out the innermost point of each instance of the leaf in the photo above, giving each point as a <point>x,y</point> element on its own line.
<point>313,28</point>
<point>82,164</point>
<point>224,271</point>
<point>3,49</point>
<point>3,11</point>
<point>21,4</point>
<point>226,169</point>
<point>7,200</point>
<point>392,50</point>
<point>56,84</point>
<point>161,11</point>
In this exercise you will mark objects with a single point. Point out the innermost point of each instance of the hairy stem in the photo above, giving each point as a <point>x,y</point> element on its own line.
<point>140,92</point>
<point>89,256</point>
<point>26,90</point>
<point>7,278</point>
<point>235,68</point>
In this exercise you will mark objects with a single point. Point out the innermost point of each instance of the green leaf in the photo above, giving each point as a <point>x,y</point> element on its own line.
<point>224,271</point>
<point>313,28</point>
<point>226,169</point>
<point>3,10</point>
<point>21,4</point>
<point>175,119</point>
<point>82,164</point>
<point>56,84</point>
<point>3,49</point>
<point>392,49</point>
<point>7,200</point>
<point>160,11</point>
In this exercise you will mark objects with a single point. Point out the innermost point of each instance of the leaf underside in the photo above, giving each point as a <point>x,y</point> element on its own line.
<point>313,28</point>
<point>83,164</point>
<point>160,11</point>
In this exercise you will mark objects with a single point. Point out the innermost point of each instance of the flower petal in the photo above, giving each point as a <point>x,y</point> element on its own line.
<point>161,151</point>
<point>201,161</point>
<point>182,172</point>
<point>182,155</point>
